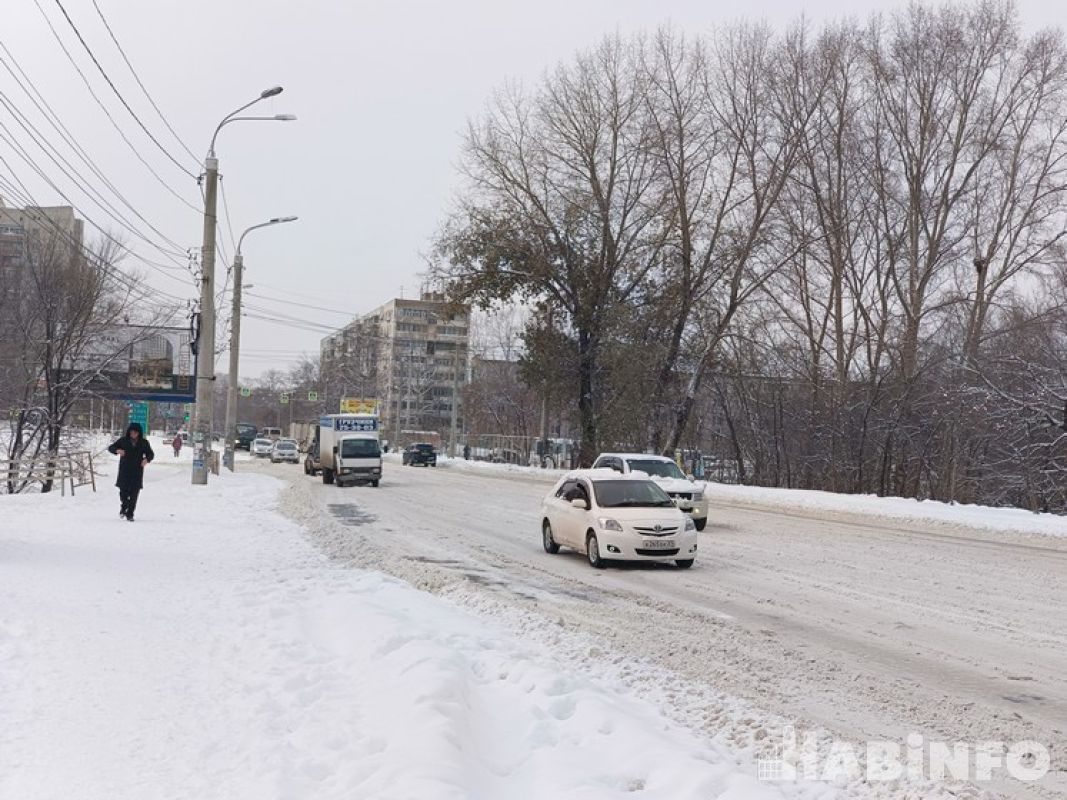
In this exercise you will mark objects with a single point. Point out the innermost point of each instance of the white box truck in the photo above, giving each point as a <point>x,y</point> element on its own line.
<point>350,449</point>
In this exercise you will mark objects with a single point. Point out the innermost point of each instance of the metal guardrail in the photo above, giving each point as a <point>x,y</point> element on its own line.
<point>74,468</point>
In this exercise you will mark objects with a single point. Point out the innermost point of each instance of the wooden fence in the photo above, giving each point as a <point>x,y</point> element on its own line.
<point>73,469</point>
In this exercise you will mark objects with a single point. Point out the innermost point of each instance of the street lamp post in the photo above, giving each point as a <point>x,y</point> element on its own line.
<point>235,343</point>
<point>205,373</point>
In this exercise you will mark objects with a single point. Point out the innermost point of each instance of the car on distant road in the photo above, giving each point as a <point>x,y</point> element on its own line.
<point>613,517</point>
<point>284,450</point>
<point>246,434</point>
<point>261,448</point>
<point>420,453</point>
<point>689,495</point>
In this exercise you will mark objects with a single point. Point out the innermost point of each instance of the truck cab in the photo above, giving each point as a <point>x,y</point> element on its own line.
<point>358,459</point>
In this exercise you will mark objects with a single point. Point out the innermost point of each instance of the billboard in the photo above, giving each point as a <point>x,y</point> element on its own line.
<point>358,405</point>
<point>137,362</point>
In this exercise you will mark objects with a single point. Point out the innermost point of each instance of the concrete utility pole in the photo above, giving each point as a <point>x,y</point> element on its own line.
<point>455,401</point>
<point>235,344</point>
<point>205,352</point>
<point>205,372</point>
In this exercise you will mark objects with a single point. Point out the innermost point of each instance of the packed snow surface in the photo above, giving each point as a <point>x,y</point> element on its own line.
<point>209,651</point>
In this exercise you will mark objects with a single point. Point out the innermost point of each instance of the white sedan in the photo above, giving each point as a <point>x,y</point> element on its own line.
<point>261,448</point>
<point>284,450</point>
<point>609,517</point>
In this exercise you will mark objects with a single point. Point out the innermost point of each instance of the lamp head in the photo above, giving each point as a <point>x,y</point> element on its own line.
<point>271,92</point>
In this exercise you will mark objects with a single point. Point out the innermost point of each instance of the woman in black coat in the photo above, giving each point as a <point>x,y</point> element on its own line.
<point>134,453</point>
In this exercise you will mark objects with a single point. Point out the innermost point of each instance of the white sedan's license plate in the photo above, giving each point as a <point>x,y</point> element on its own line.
<point>659,544</point>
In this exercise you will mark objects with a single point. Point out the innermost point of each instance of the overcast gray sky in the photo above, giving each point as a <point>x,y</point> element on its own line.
<point>382,90</point>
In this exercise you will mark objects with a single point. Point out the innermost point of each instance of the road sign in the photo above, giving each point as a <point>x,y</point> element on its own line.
<point>313,397</point>
<point>246,392</point>
<point>139,414</point>
<point>285,399</point>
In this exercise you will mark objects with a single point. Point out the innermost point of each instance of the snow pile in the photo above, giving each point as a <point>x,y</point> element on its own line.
<point>886,509</point>
<point>890,509</point>
<point>208,651</point>
<point>489,468</point>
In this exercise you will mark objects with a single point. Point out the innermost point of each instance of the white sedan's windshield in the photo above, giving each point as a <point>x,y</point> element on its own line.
<point>630,494</point>
<point>660,469</point>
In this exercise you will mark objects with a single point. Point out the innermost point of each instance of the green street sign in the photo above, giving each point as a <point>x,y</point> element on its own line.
<point>246,392</point>
<point>139,414</point>
<point>285,399</point>
<point>313,397</point>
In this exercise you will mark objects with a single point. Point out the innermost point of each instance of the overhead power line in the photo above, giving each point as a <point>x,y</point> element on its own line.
<point>118,94</point>
<point>107,113</point>
<point>349,314</point>
<point>86,186</point>
<point>22,194</point>
<point>144,89</point>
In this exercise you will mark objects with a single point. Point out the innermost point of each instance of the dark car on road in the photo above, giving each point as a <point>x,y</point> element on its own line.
<point>422,453</point>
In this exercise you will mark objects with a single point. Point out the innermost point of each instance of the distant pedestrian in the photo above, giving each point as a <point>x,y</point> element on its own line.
<point>134,454</point>
<point>466,452</point>
<point>177,444</point>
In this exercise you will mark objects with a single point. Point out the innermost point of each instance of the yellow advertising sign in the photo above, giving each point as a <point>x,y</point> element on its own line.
<point>358,405</point>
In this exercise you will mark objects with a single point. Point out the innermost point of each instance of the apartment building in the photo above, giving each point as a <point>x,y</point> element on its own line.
<point>412,355</point>
<point>21,228</point>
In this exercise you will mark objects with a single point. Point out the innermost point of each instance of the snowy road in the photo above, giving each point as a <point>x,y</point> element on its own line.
<point>866,630</point>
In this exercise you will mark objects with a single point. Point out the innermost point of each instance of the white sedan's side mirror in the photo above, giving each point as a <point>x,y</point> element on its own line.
<point>578,502</point>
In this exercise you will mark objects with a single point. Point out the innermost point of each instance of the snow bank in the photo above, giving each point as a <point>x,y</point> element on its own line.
<point>208,651</point>
<point>887,509</point>
<point>488,467</point>
<point>892,509</point>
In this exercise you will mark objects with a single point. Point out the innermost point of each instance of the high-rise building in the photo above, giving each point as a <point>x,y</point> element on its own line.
<point>42,224</point>
<point>23,232</point>
<point>412,355</point>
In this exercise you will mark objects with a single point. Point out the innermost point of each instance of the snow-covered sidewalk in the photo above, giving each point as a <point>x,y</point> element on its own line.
<point>208,651</point>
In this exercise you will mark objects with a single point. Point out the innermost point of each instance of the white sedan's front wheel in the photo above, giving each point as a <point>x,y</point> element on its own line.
<point>592,549</point>
<point>547,540</point>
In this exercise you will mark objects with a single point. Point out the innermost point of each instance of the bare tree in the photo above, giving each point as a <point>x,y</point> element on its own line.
<point>65,302</point>
<point>563,203</point>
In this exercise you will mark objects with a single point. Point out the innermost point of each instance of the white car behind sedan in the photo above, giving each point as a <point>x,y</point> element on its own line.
<point>687,494</point>
<point>261,448</point>
<point>613,517</point>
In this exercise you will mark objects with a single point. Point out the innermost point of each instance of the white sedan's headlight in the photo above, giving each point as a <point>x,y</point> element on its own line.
<point>610,524</point>
<point>689,524</point>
